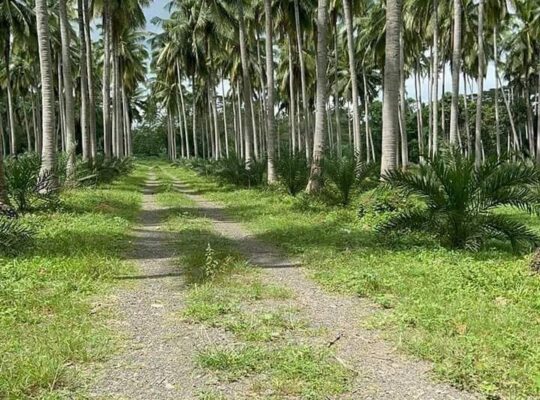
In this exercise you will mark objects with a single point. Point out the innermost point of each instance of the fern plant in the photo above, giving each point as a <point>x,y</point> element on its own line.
<point>27,188</point>
<point>13,235</point>
<point>234,170</point>
<point>293,172</point>
<point>346,172</point>
<point>460,200</point>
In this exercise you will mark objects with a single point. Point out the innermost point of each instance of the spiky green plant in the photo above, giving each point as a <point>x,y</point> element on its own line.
<point>13,235</point>
<point>460,200</point>
<point>293,172</point>
<point>233,169</point>
<point>26,187</point>
<point>346,172</point>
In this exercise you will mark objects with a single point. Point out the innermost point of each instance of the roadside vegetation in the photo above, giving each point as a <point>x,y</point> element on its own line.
<point>467,311</point>
<point>50,312</point>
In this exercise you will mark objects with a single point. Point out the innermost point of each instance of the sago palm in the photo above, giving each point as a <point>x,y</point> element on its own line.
<point>461,200</point>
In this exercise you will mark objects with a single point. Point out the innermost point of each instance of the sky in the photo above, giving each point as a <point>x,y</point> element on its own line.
<point>158,8</point>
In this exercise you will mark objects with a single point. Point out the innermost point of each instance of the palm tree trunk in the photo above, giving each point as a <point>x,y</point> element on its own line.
<point>246,86</point>
<point>402,101</point>
<point>538,121</point>
<point>497,119</point>
<point>516,146</point>
<point>225,127</point>
<point>85,112</point>
<point>306,115</point>
<point>194,115</point>
<point>3,186</point>
<point>61,106</point>
<point>435,87</point>
<point>456,62</point>
<point>68,91</point>
<point>27,128</point>
<point>90,85</point>
<point>357,141</point>
<point>480,85</point>
<point>369,141</point>
<point>315,179</point>
<point>127,122</point>
<point>419,116</point>
<point>391,87</point>
<point>11,111</point>
<point>336,94</point>
<point>270,130</point>
<point>48,159</point>
<point>107,125</point>
<point>466,116</point>
<point>292,105</point>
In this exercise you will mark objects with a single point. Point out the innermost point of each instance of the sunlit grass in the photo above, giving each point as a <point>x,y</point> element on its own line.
<point>475,315</point>
<point>47,322</point>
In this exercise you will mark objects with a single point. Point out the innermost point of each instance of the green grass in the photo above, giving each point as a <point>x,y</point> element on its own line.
<point>475,315</point>
<point>47,319</point>
<point>289,371</point>
<point>256,313</point>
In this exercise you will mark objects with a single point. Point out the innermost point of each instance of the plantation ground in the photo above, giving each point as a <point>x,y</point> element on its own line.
<point>475,315</point>
<point>191,319</point>
<point>50,295</point>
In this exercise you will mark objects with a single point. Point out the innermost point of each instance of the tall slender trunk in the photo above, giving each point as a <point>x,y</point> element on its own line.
<point>90,85</point>
<point>3,186</point>
<point>241,132</point>
<point>369,142</point>
<point>306,115</point>
<point>456,62</point>
<point>11,110</point>
<point>497,118</point>
<point>480,86</point>
<point>419,116</point>
<point>194,112</point>
<point>48,159</point>
<point>292,105</point>
<point>107,125</point>
<point>357,141</point>
<point>225,127</point>
<point>336,94</point>
<point>466,116</point>
<point>402,101</point>
<point>127,122</point>
<point>246,86</point>
<point>391,87</point>
<point>85,112</point>
<point>61,106</point>
<point>538,120</point>
<point>68,91</point>
<point>270,130</point>
<point>315,182</point>
<point>515,137</point>
<point>435,87</point>
<point>26,128</point>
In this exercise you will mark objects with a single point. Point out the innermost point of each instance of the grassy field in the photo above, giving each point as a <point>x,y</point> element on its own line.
<point>270,348</point>
<point>48,323</point>
<point>475,315</point>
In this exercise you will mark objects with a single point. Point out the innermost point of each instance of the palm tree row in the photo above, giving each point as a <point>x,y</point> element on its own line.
<point>259,76</point>
<point>50,91</point>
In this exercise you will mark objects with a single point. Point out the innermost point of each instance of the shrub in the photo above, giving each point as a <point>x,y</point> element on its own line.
<point>459,200</point>
<point>346,172</point>
<point>13,235</point>
<point>28,189</point>
<point>293,171</point>
<point>103,171</point>
<point>234,170</point>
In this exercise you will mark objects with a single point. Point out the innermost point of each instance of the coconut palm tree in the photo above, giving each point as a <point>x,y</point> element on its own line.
<point>15,24</point>
<point>391,87</point>
<point>68,91</point>
<point>48,157</point>
<point>456,70</point>
<point>480,85</point>
<point>315,183</point>
<point>270,138</point>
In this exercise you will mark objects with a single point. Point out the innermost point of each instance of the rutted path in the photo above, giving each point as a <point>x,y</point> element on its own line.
<point>382,372</point>
<point>157,358</point>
